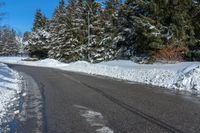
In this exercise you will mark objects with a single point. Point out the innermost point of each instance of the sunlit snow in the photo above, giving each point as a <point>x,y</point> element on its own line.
<point>9,91</point>
<point>182,76</point>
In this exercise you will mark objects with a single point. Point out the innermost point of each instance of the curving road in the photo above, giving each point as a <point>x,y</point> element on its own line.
<point>79,103</point>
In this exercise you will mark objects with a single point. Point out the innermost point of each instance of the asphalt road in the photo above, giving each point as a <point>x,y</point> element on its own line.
<point>125,107</point>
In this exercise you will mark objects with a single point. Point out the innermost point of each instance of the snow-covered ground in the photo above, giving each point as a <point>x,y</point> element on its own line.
<point>9,93</point>
<point>182,76</point>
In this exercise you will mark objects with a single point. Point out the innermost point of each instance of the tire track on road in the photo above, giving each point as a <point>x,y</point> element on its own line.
<point>131,109</point>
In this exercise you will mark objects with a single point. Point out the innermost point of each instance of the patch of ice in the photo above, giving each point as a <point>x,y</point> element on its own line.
<point>24,94</point>
<point>95,119</point>
<point>104,130</point>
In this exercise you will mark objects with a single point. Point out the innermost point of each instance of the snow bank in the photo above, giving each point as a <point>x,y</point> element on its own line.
<point>12,60</point>
<point>183,76</point>
<point>9,90</point>
<point>49,63</point>
<point>189,79</point>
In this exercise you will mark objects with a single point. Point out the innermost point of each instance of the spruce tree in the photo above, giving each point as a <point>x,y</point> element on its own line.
<point>111,26</point>
<point>69,33</point>
<point>57,24</point>
<point>39,42</point>
<point>40,21</point>
<point>8,42</point>
<point>94,31</point>
<point>148,26</point>
<point>76,10</point>
<point>194,48</point>
<point>101,31</point>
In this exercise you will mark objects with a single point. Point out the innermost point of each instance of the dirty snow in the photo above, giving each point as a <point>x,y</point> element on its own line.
<point>95,119</point>
<point>181,76</point>
<point>9,91</point>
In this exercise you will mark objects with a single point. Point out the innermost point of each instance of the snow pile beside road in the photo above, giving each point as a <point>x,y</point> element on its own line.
<point>127,71</point>
<point>189,79</point>
<point>9,91</point>
<point>49,63</point>
<point>12,60</point>
<point>183,76</point>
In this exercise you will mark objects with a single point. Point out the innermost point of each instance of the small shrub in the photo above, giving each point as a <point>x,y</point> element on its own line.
<point>170,54</point>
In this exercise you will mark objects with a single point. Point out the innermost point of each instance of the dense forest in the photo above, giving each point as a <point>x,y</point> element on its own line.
<point>96,31</point>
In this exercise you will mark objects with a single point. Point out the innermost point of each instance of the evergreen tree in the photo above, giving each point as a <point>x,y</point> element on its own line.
<point>77,34</point>
<point>39,42</point>
<point>194,48</point>
<point>161,23</point>
<point>40,21</point>
<point>102,27</point>
<point>8,42</point>
<point>57,24</point>
<point>70,35</point>
<point>111,26</point>
<point>86,30</point>
<point>94,31</point>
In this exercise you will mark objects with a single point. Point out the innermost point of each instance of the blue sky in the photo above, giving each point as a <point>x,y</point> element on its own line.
<point>20,13</point>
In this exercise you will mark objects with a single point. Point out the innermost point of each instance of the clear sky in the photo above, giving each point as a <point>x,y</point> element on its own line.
<point>20,13</point>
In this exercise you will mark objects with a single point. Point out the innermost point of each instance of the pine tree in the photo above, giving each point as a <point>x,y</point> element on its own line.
<point>99,45</point>
<point>194,48</point>
<point>77,32</point>
<point>126,38</point>
<point>94,31</point>
<point>40,21</point>
<point>148,26</point>
<point>111,26</point>
<point>70,32</point>
<point>39,42</point>
<point>57,24</point>
<point>8,42</point>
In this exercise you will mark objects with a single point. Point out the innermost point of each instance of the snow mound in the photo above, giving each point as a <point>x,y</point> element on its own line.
<point>157,77</point>
<point>189,79</point>
<point>48,62</point>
